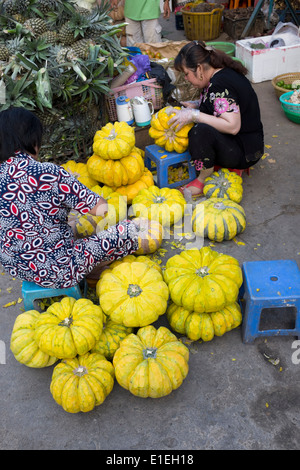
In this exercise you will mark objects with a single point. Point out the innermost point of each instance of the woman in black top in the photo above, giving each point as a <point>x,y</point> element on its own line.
<point>228,131</point>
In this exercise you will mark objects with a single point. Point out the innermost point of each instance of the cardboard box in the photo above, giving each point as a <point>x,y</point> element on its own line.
<point>265,64</point>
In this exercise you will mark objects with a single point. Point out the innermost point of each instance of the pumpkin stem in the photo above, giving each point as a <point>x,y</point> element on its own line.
<point>112,135</point>
<point>134,290</point>
<point>219,205</point>
<point>160,199</point>
<point>80,371</point>
<point>67,321</point>
<point>202,272</point>
<point>149,353</point>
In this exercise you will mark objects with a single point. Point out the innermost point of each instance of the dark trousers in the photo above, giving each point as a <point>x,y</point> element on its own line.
<point>212,148</point>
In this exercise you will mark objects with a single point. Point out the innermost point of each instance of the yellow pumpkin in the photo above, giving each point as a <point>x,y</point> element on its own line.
<point>131,190</point>
<point>164,205</point>
<point>80,172</point>
<point>150,235</point>
<point>164,136</point>
<point>133,294</point>
<point>109,341</point>
<point>224,184</point>
<point>69,327</point>
<point>204,280</point>
<point>114,141</point>
<point>87,224</point>
<point>83,382</point>
<point>151,363</point>
<point>116,173</point>
<point>218,219</point>
<point>22,342</point>
<point>204,326</point>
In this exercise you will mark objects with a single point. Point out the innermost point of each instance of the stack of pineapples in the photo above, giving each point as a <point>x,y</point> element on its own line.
<point>57,59</point>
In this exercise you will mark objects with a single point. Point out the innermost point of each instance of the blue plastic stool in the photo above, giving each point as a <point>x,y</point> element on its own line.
<point>154,153</point>
<point>32,292</point>
<point>269,284</point>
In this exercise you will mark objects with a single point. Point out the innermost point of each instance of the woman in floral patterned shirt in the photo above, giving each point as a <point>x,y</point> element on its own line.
<point>228,131</point>
<point>36,242</point>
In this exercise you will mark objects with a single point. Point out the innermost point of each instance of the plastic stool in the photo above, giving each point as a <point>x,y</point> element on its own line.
<point>238,172</point>
<point>154,153</point>
<point>269,284</point>
<point>32,292</point>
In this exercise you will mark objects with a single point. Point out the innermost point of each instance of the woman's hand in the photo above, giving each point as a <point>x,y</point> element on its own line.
<point>182,117</point>
<point>100,209</point>
<point>167,10</point>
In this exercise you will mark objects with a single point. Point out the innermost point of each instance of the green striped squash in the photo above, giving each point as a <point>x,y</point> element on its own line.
<point>225,184</point>
<point>218,219</point>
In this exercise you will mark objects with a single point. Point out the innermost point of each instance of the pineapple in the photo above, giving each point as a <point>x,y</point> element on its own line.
<point>65,54</point>
<point>36,26</point>
<point>46,117</point>
<point>10,7</point>
<point>44,6</point>
<point>4,54</point>
<point>14,7</point>
<point>81,48</point>
<point>73,29</point>
<point>50,37</point>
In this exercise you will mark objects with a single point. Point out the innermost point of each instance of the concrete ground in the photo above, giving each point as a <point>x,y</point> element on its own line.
<point>236,396</point>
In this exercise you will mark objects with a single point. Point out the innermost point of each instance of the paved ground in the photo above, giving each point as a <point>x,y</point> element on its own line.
<point>236,396</point>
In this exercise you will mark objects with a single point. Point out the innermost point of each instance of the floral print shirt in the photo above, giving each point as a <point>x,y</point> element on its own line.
<point>36,242</point>
<point>231,92</point>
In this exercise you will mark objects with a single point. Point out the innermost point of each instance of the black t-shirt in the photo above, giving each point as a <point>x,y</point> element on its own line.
<point>227,91</point>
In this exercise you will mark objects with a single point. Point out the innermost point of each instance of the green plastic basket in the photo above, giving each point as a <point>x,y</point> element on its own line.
<point>291,116</point>
<point>227,47</point>
<point>292,110</point>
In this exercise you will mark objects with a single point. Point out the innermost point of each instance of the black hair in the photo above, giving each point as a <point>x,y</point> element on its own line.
<point>20,130</point>
<point>197,52</point>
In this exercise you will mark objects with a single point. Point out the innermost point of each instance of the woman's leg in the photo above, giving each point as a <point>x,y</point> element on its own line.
<point>208,147</point>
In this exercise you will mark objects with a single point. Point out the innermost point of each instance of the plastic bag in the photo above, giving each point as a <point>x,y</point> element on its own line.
<point>285,34</point>
<point>142,64</point>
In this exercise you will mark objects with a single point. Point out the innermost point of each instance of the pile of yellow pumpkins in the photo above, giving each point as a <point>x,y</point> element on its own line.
<point>115,338</point>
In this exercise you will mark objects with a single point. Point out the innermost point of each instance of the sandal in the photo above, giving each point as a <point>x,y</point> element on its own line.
<point>195,184</point>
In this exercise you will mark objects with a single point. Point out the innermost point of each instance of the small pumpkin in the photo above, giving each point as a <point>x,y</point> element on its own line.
<point>164,136</point>
<point>150,235</point>
<point>116,173</point>
<point>204,326</point>
<point>82,383</point>
<point>109,341</point>
<point>23,345</point>
<point>151,363</point>
<point>80,172</point>
<point>164,205</point>
<point>218,219</point>
<point>204,280</point>
<point>224,184</point>
<point>131,190</point>
<point>87,224</point>
<point>69,327</point>
<point>133,294</point>
<point>114,141</point>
